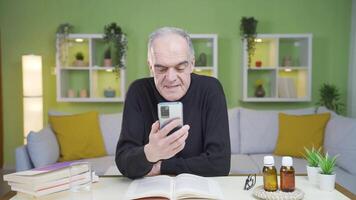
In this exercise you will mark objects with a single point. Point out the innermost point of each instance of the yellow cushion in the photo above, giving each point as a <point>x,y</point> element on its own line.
<point>299,131</point>
<point>79,136</point>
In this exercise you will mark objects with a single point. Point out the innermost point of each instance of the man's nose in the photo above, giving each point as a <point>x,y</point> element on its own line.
<point>171,74</point>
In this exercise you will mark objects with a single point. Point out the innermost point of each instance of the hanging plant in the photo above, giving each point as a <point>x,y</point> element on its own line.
<point>63,31</point>
<point>248,31</point>
<point>117,41</point>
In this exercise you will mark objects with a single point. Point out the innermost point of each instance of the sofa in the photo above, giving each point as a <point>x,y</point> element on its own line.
<point>253,134</point>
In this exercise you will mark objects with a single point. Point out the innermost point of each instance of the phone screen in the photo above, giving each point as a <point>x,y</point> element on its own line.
<point>168,111</point>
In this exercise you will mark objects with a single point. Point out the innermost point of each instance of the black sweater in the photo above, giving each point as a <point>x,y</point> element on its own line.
<point>207,149</point>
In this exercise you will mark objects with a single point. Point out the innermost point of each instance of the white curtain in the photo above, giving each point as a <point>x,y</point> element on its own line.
<point>351,104</point>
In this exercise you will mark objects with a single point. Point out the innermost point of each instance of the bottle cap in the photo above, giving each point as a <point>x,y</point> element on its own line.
<point>287,161</point>
<point>268,160</point>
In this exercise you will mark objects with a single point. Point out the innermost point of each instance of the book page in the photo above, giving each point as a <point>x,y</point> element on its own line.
<point>193,186</point>
<point>155,186</point>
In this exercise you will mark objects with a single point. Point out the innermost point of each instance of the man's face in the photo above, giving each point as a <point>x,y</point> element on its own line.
<point>171,66</point>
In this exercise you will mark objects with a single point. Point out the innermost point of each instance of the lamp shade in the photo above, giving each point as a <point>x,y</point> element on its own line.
<point>32,93</point>
<point>32,75</point>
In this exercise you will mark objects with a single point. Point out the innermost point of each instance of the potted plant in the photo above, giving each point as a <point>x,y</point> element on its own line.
<point>114,36</point>
<point>79,59</point>
<point>312,157</point>
<point>326,174</point>
<point>330,98</point>
<point>107,58</point>
<point>259,91</point>
<point>248,31</point>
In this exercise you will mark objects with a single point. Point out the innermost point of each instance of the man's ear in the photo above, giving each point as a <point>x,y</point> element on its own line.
<point>193,65</point>
<point>150,67</point>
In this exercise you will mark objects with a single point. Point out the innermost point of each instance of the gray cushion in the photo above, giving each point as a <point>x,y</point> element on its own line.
<point>243,164</point>
<point>234,129</point>
<point>340,137</point>
<point>43,147</point>
<point>259,131</point>
<point>299,164</point>
<point>110,125</point>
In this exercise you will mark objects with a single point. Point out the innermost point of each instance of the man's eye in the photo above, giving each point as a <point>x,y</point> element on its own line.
<point>181,67</point>
<point>161,69</point>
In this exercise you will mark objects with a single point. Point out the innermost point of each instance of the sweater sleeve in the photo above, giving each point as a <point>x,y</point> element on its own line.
<point>215,159</point>
<point>130,157</point>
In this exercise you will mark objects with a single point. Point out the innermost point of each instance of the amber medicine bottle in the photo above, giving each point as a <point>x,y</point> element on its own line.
<point>270,183</point>
<point>287,175</point>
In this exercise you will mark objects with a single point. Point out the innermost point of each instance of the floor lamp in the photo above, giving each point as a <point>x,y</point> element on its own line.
<point>32,93</point>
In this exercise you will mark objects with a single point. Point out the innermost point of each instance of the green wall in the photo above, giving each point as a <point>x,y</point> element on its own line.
<point>29,26</point>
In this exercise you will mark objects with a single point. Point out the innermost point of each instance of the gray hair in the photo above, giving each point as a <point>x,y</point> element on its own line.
<point>166,31</point>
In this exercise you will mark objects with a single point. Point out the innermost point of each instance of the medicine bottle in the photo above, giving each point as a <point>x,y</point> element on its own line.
<point>269,171</point>
<point>287,175</point>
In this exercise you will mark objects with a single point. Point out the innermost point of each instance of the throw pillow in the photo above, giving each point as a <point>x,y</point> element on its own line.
<point>297,132</point>
<point>110,125</point>
<point>78,135</point>
<point>43,147</point>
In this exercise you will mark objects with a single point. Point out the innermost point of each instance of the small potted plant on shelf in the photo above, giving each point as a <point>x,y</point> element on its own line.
<point>79,59</point>
<point>326,174</point>
<point>107,58</point>
<point>114,36</point>
<point>312,157</point>
<point>330,98</point>
<point>259,91</point>
<point>248,31</point>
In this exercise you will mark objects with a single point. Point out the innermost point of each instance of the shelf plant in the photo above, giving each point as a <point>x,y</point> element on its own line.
<point>248,31</point>
<point>330,98</point>
<point>79,58</point>
<point>107,58</point>
<point>116,39</point>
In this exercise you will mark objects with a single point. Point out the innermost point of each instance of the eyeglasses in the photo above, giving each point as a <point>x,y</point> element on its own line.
<point>250,181</point>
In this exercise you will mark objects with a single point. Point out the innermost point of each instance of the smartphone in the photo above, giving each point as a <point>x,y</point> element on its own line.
<point>168,111</point>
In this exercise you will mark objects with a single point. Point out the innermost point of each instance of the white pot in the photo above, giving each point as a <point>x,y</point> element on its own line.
<point>313,174</point>
<point>327,182</point>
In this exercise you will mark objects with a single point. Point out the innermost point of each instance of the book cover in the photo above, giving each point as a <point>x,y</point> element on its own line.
<point>43,174</point>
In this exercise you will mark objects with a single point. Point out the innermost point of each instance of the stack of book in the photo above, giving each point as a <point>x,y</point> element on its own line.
<point>47,180</point>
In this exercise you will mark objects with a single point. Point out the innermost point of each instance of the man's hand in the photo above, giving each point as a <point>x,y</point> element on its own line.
<point>161,146</point>
<point>156,169</point>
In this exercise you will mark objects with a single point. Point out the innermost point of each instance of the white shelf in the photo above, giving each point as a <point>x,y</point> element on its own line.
<point>286,68</point>
<point>94,78</point>
<point>206,44</point>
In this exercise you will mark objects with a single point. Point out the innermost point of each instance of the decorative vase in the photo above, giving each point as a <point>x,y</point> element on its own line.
<point>83,93</point>
<point>327,182</point>
<point>71,93</point>
<point>258,63</point>
<point>79,63</point>
<point>107,62</point>
<point>109,92</point>
<point>313,174</point>
<point>260,91</point>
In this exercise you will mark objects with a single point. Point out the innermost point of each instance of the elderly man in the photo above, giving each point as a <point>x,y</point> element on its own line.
<point>202,145</point>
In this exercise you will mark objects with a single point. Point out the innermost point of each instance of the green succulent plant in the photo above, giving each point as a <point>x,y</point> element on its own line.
<point>312,156</point>
<point>327,164</point>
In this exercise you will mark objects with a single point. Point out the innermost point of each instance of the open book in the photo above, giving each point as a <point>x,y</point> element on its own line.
<point>180,187</point>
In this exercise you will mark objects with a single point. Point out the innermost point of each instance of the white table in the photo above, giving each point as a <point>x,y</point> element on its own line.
<point>114,188</point>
